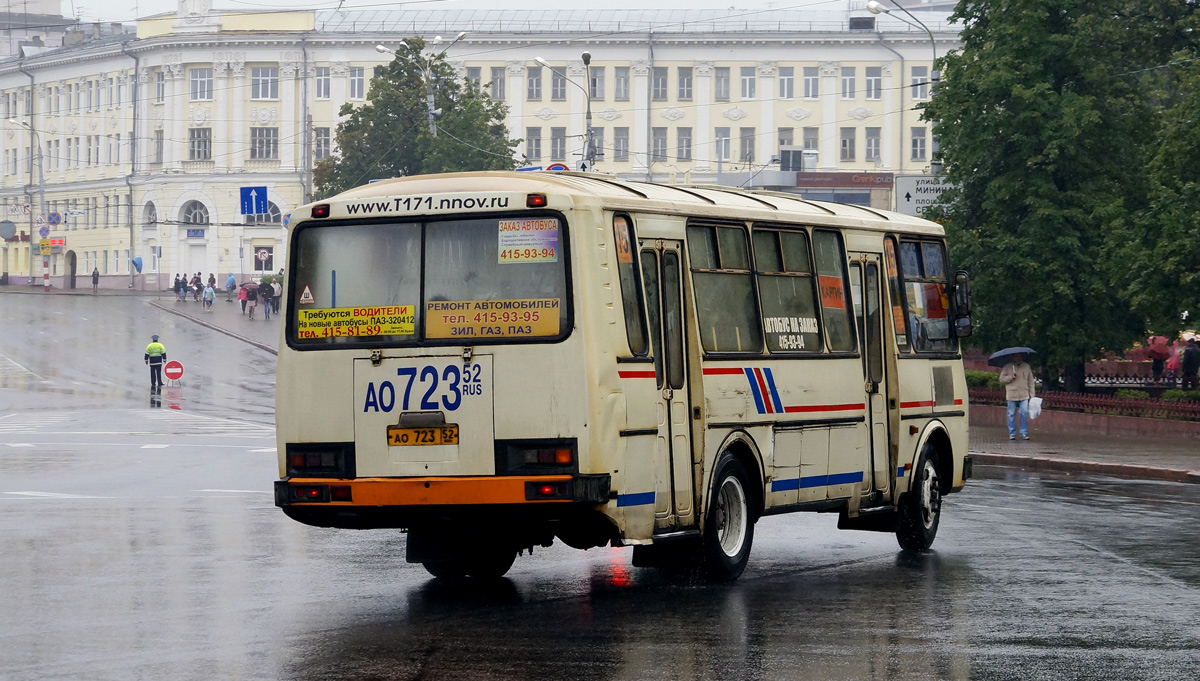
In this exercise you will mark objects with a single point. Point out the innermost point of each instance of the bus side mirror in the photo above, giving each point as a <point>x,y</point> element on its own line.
<point>962,304</point>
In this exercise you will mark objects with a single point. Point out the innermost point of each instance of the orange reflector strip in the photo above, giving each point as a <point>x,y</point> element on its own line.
<point>436,491</point>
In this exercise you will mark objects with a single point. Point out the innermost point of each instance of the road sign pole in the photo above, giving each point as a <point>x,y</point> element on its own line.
<point>46,274</point>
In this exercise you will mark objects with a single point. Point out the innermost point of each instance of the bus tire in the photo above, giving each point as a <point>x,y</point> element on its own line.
<point>446,569</point>
<point>490,563</point>
<point>921,507</point>
<point>729,524</point>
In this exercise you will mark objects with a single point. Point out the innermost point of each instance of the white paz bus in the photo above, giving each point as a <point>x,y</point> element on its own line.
<point>494,360</point>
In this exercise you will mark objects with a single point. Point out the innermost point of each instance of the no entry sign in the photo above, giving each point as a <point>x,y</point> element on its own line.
<point>173,370</point>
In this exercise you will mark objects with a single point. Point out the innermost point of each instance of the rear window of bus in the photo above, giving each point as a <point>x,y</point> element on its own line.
<point>452,282</point>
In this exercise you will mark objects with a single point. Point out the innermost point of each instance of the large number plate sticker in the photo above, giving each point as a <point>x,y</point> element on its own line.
<point>528,240</point>
<point>426,388</point>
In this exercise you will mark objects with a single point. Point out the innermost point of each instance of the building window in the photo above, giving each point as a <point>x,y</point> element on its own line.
<point>872,147</point>
<point>264,144</point>
<point>749,83</point>
<point>920,82</point>
<point>201,84</point>
<point>787,137</point>
<point>199,144</point>
<point>558,85</point>
<point>658,144</point>
<point>558,144</point>
<point>684,86</point>
<point>533,144</point>
<point>848,82</point>
<point>874,82</point>
<point>787,82</point>
<point>683,144</point>
<point>812,82</point>
<point>812,138</point>
<point>847,138</point>
<point>621,83</point>
<point>596,82</point>
<point>475,77</point>
<point>918,144</point>
<point>497,85</point>
<point>533,83</point>
<point>322,82</point>
<point>722,144</point>
<point>160,88</point>
<point>358,85</point>
<point>658,84</point>
<point>111,92</point>
<point>158,146</point>
<point>320,144</point>
<point>194,213</point>
<point>721,84</point>
<point>264,82</point>
<point>620,144</point>
<point>746,153</point>
<point>272,216</point>
<point>598,142</point>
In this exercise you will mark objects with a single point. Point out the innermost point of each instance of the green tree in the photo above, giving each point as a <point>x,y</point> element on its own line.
<point>1045,145</point>
<point>389,135</point>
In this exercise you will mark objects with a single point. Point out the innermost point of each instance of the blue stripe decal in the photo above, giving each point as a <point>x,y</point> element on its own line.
<point>774,393</point>
<point>844,478</point>
<point>758,398</point>
<point>900,472</point>
<point>640,499</point>
<point>785,485</point>
<point>813,481</point>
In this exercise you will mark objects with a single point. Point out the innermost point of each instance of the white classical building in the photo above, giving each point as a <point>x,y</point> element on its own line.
<point>145,145</point>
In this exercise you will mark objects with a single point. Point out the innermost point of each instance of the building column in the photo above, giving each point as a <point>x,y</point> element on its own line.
<point>221,97</point>
<point>577,108</point>
<point>767,138</point>
<point>830,138</point>
<point>515,96</point>
<point>639,139</point>
<point>287,113</point>
<point>891,137</point>
<point>702,140</point>
<point>237,136</point>
<point>177,115</point>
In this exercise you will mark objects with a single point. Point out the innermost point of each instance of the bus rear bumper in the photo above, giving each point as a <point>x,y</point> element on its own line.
<point>398,502</point>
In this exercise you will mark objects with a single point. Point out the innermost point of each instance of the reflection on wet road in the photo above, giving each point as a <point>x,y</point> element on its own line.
<point>143,543</point>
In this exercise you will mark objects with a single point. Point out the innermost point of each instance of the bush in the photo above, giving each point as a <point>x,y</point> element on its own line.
<point>1129,393</point>
<point>1181,395</point>
<point>983,379</point>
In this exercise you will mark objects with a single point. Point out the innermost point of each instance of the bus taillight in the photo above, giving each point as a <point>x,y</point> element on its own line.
<point>535,457</point>
<point>548,490</point>
<point>535,201</point>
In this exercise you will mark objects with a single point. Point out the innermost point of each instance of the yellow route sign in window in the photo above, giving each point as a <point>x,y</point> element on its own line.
<point>336,322</point>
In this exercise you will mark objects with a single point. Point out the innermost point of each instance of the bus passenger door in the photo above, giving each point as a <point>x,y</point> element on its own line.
<point>865,285</point>
<point>662,277</point>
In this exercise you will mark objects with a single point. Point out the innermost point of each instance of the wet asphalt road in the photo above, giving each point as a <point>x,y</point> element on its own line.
<point>141,542</point>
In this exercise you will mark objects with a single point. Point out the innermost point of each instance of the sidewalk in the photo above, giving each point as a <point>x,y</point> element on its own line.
<point>229,320</point>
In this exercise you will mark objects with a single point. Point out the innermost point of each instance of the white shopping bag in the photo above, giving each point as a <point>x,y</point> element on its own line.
<point>1035,407</point>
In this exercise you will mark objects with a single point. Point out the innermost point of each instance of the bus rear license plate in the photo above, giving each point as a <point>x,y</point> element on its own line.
<point>437,435</point>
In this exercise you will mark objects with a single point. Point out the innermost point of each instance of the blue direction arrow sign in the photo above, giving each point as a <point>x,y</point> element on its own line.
<point>254,200</point>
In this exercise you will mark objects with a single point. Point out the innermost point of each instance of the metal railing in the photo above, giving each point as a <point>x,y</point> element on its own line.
<point>1183,410</point>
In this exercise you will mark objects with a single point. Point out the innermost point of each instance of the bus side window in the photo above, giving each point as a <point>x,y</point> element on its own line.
<point>631,298</point>
<point>831,281</point>
<point>724,289</point>
<point>786,291</point>
<point>895,288</point>
<point>923,267</point>
<point>654,307</point>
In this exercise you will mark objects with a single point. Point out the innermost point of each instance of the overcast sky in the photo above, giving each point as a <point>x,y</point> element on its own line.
<point>127,10</point>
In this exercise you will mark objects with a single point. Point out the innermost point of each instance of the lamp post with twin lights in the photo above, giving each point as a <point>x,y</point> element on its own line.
<point>589,148</point>
<point>35,139</point>
<point>427,73</point>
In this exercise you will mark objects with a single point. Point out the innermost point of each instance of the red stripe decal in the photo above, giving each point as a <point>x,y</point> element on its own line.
<point>636,374</point>
<point>723,371</point>
<point>762,385</point>
<point>825,407</point>
<point>926,403</point>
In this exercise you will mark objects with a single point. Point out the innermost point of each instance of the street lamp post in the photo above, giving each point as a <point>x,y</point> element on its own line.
<point>427,73</point>
<point>874,7</point>
<point>588,161</point>
<point>34,138</point>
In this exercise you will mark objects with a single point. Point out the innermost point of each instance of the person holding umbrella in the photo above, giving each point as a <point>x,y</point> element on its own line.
<point>1017,378</point>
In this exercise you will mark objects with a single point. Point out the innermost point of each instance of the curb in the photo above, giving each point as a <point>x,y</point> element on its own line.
<point>1124,470</point>
<point>214,327</point>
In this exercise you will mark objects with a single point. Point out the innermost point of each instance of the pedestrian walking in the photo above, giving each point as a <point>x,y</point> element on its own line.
<point>209,295</point>
<point>242,297</point>
<point>212,280</point>
<point>230,286</point>
<point>1189,364</point>
<point>251,300</point>
<point>1159,352</point>
<point>156,354</point>
<point>95,279</point>
<point>177,289</point>
<point>265,292</point>
<point>197,286</point>
<point>1017,378</point>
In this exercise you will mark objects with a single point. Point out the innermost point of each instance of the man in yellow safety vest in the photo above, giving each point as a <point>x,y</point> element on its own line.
<point>156,354</point>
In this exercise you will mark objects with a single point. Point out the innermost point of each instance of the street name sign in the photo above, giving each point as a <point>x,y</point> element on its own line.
<point>915,193</point>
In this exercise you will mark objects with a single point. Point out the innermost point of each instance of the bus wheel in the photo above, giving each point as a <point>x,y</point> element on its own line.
<point>921,507</point>
<point>729,527</point>
<point>446,569</point>
<point>490,563</point>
